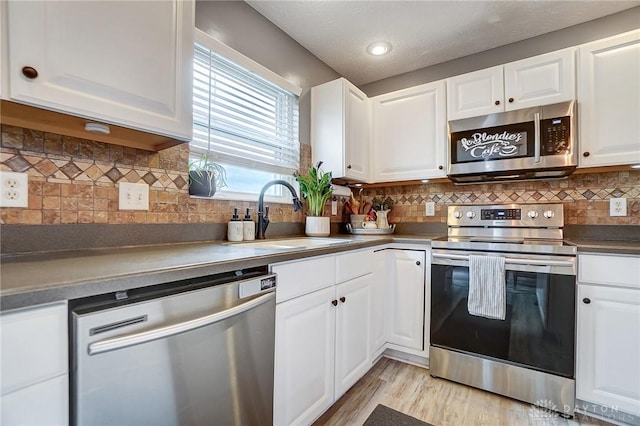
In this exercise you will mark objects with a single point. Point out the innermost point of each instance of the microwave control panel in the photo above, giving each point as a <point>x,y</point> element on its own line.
<point>555,135</point>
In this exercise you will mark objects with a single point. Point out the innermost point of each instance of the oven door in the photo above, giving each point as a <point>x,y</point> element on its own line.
<point>539,329</point>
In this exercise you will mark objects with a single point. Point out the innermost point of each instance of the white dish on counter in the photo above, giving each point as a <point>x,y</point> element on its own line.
<point>371,231</point>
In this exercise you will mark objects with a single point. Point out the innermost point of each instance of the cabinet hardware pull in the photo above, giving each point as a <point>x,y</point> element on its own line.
<point>586,300</point>
<point>440,167</point>
<point>29,72</point>
<point>497,102</point>
<point>349,166</point>
<point>343,299</point>
<point>510,100</point>
<point>586,154</point>
<point>418,262</point>
<point>334,302</point>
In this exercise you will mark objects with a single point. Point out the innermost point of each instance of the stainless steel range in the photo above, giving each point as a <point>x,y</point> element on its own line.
<point>528,352</point>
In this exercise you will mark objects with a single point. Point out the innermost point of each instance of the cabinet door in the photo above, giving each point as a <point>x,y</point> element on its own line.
<point>609,101</point>
<point>608,347</point>
<point>127,63</point>
<point>304,358</point>
<point>410,133</point>
<point>541,80</point>
<point>379,281</point>
<point>356,133</point>
<point>44,403</point>
<point>407,311</point>
<point>353,358</point>
<point>476,93</point>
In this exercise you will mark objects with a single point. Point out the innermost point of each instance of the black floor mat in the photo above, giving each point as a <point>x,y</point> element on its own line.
<point>385,416</point>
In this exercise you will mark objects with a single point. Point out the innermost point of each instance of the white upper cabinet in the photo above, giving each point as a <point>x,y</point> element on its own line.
<point>127,63</point>
<point>340,129</point>
<point>541,80</point>
<point>476,93</point>
<point>609,101</point>
<point>410,133</point>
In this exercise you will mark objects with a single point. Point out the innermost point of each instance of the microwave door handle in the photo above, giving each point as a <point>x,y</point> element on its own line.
<point>115,343</point>
<point>536,131</point>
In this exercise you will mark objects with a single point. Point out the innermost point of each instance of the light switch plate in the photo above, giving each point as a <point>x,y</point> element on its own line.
<point>15,189</point>
<point>133,196</point>
<point>429,208</point>
<point>617,207</point>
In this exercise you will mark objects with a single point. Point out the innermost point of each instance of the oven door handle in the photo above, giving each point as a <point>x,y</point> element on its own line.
<point>510,260</point>
<point>536,147</point>
<point>115,343</point>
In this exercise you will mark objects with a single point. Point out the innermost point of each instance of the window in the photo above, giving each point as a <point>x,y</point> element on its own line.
<point>244,121</point>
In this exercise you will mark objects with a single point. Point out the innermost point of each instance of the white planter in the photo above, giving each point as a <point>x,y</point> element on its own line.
<point>317,226</point>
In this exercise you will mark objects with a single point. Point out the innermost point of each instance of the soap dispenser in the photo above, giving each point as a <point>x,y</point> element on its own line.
<point>248,227</point>
<point>235,227</point>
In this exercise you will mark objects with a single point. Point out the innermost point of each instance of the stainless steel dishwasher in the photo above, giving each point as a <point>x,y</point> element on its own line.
<point>196,352</point>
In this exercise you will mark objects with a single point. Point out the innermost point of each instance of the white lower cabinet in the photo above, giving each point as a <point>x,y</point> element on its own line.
<point>34,366</point>
<point>608,336</point>
<point>378,311</point>
<point>406,320</point>
<point>322,338</point>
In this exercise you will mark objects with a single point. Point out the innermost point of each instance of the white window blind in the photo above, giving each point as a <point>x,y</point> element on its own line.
<point>240,118</point>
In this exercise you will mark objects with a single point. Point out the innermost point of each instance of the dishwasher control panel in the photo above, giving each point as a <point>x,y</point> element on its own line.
<point>257,285</point>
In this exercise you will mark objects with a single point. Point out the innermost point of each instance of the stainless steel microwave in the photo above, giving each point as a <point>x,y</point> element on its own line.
<point>531,143</point>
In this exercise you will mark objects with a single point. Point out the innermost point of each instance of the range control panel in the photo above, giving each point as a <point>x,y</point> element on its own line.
<point>511,215</point>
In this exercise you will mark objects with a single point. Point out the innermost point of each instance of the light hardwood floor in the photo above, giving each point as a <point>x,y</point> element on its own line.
<point>413,391</point>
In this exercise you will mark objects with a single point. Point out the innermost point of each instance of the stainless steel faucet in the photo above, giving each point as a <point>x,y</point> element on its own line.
<point>263,212</point>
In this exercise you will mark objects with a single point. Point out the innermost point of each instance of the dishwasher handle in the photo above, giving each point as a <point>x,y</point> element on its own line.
<point>116,343</point>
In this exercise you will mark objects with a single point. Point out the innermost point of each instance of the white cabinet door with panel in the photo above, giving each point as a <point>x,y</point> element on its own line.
<point>304,357</point>
<point>340,129</point>
<point>34,365</point>
<point>540,80</point>
<point>410,134</point>
<point>353,357</point>
<point>608,335</point>
<point>609,101</point>
<point>126,63</point>
<point>476,93</point>
<point>407,291</point>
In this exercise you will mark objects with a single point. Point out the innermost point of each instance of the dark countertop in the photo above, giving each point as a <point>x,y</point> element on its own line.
<point>33,279</point>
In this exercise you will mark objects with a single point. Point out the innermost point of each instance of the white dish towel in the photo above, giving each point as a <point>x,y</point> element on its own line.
<point>487,287</point>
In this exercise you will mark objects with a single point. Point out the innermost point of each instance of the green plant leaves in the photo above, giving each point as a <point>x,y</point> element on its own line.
<point>315,188</point>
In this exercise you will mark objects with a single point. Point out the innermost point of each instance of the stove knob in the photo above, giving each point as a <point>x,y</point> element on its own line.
<point>548,214</point>
<point>532,214</point>
<point>457,214</point>
<point>471,214</point>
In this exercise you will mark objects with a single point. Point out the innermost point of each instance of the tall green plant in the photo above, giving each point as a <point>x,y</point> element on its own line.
<point>315,188</point>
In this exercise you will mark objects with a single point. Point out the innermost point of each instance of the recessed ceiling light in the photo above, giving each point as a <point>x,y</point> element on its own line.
<point>425,181</point>
<point>98,128</point>
<point>379,48</point>
<point>358,185</point>
<point>636,166</point>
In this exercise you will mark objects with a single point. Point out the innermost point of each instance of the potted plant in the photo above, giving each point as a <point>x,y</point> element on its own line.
<point>206,177</point>
<point>316,189</point>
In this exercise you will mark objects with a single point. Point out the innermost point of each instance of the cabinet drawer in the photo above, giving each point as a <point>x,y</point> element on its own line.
<point>34,345</point>
<point>45,403</point>
<point>304,276</point>
<point>354,264</point>
<point>608,269</point>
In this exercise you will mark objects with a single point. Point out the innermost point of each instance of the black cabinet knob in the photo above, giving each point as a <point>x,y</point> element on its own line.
<point>586,154</point>
<point>497,102</point>
<point>440,167</point>
<point>29,72</point>
<point>334,302</point>
<point>586,300</point>
<point>349,166</point>
<point>418,262</point>
<point>343,299</point>
<point>511,100</point>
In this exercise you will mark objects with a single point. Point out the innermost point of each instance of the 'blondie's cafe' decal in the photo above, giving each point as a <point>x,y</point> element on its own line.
<point>489,144</point>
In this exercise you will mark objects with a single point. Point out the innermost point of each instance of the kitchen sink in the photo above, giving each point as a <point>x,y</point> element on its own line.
<point>293,243</point>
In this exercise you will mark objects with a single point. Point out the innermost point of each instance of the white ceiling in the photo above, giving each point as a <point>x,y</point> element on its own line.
<point>422,33</point>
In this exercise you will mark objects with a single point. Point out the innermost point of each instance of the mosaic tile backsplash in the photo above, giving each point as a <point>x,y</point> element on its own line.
<point>75,180</point>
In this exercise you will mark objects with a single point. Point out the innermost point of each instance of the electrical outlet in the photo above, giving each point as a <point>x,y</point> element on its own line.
<point>617,207</point>
<point>15,189</point>
<point>334,207</point>
<point>429,208</point>
<point>133,196</point>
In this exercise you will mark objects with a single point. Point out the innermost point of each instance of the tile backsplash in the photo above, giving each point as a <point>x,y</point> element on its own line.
<point>75,180</point>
